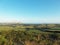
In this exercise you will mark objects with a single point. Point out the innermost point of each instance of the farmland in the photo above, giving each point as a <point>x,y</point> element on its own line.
<point>29,34</point>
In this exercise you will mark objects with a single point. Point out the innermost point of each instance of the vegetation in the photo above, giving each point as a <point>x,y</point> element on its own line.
<point>29,34</point>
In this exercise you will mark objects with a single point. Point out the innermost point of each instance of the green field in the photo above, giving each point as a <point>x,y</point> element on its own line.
<point>29,34</point>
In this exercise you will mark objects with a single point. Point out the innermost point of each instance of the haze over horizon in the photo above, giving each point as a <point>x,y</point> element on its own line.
<point>30,11</point>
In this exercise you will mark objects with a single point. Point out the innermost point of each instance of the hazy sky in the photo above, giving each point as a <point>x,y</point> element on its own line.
<point>30,11</point>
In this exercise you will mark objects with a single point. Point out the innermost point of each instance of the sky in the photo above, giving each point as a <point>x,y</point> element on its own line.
<point>30,11</point>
